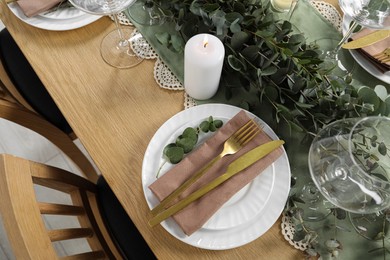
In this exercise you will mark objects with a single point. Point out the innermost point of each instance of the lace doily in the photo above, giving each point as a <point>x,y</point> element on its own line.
<point>329,12</point>
<point>288,231</point>
<point>141,47</point>
<point>165,78</point>
<point>122,18</point>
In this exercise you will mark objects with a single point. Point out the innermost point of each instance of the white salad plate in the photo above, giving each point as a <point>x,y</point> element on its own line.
<point>249,213</point>
<point>60,20</point>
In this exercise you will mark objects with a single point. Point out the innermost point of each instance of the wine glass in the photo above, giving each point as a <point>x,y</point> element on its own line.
<point>374,14</point>
<point>115,47</point>
<point>147,12</point>
<point>284,6</point>
<point>349,162</point>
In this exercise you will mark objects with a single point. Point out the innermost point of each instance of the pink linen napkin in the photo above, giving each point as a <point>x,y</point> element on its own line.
<point>196,214</point>
<point>33,7</point>
<point>371,50</point>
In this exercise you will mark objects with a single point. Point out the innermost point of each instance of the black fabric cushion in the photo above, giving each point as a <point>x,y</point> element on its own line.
<point>27,82</point>
<point>124,233</point>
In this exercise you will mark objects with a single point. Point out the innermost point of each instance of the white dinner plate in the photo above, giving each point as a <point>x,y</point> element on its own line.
<point>60,20</point>
<point>249,213</point>
<point>363,62</point>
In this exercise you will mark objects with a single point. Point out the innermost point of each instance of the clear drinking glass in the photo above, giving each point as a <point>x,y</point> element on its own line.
<point>282,5</point>
<point>349,162</point>
<point>374,14</point>
<point>115,47</point>
<point>147,12</point>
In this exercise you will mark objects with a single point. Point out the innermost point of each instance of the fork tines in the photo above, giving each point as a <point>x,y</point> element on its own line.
<point>383,56</point>
<point>246,133</point>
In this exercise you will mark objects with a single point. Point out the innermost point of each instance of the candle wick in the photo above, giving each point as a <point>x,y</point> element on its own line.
<point>205,44</point>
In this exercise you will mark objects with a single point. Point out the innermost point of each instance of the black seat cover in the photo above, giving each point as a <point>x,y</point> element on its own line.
<point>27,82</point>
<point>125,234</point>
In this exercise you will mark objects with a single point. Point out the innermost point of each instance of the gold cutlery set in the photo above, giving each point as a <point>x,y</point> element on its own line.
<point>367,40</point>
<point>383,56</point>
<point>370,39</point>
<point>232,145</point>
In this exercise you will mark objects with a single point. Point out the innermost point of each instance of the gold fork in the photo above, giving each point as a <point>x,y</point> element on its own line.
<point>383,56</point>
<point>232,145</point>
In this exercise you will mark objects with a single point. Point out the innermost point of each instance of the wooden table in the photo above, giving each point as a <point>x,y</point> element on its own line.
<point>115,113</point>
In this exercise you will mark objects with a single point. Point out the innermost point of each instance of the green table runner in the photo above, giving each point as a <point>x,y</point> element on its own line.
<point>315,28</point>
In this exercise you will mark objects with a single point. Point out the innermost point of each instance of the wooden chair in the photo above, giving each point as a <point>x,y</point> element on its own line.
<point>24,224</point>
<point>20,84</point>
<point>24,117</point>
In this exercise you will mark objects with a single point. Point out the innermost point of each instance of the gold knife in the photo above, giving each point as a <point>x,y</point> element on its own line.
<point>367,40</point>
<point>235,167</point>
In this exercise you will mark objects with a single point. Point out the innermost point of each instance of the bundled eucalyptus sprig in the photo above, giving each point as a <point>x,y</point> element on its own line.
<point>267,60</point>
<point>188,140</point>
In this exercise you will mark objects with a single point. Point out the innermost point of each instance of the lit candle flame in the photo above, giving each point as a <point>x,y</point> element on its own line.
<point>205,41</point>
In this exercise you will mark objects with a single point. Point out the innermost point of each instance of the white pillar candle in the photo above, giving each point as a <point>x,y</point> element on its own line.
<point>282,5</point>
<point>203,60</point>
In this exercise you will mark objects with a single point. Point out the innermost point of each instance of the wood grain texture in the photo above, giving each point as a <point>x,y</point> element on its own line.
<point>21,211</point>
<point>23,238</point>
<point>115,113</point>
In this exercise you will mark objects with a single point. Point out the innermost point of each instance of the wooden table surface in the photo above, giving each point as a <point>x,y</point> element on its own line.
<point>115,114</point>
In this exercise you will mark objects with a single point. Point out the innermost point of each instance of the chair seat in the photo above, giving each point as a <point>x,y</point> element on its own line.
<point>27,82</point>
<point>124,233</point>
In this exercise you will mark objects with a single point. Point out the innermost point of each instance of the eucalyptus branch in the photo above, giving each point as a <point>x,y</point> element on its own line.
<point>265,53</point>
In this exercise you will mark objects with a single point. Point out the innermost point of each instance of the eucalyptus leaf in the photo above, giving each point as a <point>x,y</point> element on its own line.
<point>251,52</point>
<point>299,236</point>
<point>187,143</point>
<point>177,43</point>
<point>269,71</point>
<point>174,154</point>
<point>163,38</point>
<point>382,149</point>
<point>369,96</point>
<point>190,132</point>
<point>238,39</point>
<point>235,63</point>
<point>218,123</point>
<point>381,92</point>
<point>204,126</point>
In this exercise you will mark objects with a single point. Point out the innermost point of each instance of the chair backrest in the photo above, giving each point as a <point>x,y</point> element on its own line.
<point>22,213</point>
<point>24,117</point>
<point>21,85</point>
<point>10,90</point>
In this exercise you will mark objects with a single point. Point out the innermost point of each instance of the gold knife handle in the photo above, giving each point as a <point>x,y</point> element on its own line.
<point>160,207</point>
<point>188,200</point>
<point>231,171</point>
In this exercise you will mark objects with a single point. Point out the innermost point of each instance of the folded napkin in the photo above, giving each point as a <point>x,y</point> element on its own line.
<point>369,51</point>
<point>197,213</point>
<point>33,7</point>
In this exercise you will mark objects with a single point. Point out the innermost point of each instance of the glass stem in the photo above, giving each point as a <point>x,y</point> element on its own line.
<point>148,4</point>
<point>123,42</point>
<point>292,9</point>
<point>353,26</point>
